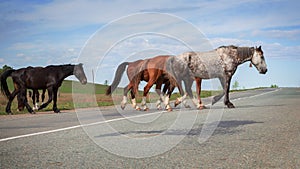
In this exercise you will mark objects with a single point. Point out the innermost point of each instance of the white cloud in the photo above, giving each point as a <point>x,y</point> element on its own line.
<point>20,54</point>
<point>2,60</point>
<point>279,34</point>
<point>22,46</point>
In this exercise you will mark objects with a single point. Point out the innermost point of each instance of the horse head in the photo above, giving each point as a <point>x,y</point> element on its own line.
<point>258,60</point>
<point>79,73</point>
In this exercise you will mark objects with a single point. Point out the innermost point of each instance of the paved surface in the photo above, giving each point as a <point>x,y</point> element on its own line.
<point>263,131</point>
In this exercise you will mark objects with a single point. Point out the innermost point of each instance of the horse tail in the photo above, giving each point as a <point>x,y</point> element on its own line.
<point>4,86</point>
<point>170,68</point>
<point>118,75</point>
<point>175,70</point>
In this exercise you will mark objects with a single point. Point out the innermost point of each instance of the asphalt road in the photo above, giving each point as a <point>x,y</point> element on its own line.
<point>263,131</point>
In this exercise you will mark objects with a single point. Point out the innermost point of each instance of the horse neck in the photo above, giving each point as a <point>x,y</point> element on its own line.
<point>67,70</point>
<point>244,54</point>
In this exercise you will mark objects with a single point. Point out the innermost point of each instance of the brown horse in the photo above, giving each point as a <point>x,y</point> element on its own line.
<point>152,71</point>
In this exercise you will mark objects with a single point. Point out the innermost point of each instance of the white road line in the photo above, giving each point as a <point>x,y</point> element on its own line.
<point>106,121</point>
<point>241,98</point>
<point>78,126</point>
<point>261,94</point>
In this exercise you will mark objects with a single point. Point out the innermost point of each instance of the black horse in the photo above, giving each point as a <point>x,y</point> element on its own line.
<point>50,78</point>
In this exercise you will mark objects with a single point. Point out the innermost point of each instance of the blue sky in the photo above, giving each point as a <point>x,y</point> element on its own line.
<point>39,33</point>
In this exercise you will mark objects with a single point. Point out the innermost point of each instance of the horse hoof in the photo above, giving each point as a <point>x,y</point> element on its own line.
<point>138,109</point>
<point>169,109</point>
<point>230,105</point>
<point>177,102</point>
<point>188,106</point>
<point>202,107</point>
<point>122,107</point>
<point>146,109</point>
<point>56,110</point>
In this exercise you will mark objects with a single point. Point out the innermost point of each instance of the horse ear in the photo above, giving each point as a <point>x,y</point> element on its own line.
<point>259,47</point>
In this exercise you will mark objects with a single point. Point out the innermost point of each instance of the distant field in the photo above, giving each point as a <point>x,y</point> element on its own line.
<point>84,95</point>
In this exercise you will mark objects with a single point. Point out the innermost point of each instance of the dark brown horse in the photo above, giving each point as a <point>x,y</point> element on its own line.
<point>50,78</point>
<point>152,71</point>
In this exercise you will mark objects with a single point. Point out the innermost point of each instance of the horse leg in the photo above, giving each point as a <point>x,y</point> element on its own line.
<point>20,103</point>
<point>146,91</point>
<point>188,82</point>
<point>133,100</point>
<point>10,99</point>
<point>37,96</point>
<point>198,91</point>
<point>182,94</point>
<point>167,98</point>
<point>218,97</point>
<point>50,94</point>
<point>158,91</point>
<point>164,91</point>
<point>23,93</point>
<point>43,95</point>
<point>226,98</point>
<point>124,101</point>
<point>34,98</point>
<point>55,109</point>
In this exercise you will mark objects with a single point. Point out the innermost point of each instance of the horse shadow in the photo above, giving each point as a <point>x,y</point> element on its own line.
<point>223,128</point>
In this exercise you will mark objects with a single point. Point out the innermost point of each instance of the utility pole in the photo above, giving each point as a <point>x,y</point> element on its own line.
<point>93,76</point>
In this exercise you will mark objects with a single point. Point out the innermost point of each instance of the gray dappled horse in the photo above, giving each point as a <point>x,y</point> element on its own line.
<point>220,63</point>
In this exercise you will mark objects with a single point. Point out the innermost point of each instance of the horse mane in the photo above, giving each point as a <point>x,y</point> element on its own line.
<point>229,46</point>
<point>243,54</point>
<point>245,51</point>
<point>64,65</point>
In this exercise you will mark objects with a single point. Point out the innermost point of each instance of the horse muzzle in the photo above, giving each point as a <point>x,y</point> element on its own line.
<point>263,71</point>
<point>83,81</point>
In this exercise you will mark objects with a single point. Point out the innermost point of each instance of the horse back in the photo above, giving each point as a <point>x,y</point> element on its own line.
<point>158,62</point>
<point>134,68</point>
<point>35,77</point>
